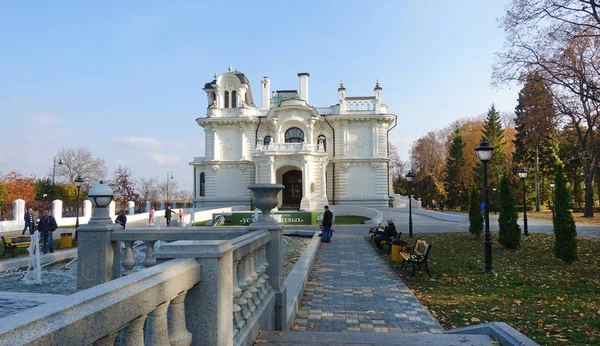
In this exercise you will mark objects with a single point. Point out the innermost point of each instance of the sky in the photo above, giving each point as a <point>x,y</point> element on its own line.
<point>125,78</point>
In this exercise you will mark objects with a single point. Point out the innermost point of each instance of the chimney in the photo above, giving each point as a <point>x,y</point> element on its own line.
<point>265,93</point>
<point>304,85</point>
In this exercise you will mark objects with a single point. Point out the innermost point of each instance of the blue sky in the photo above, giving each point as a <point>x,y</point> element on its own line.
<point>124,78</point>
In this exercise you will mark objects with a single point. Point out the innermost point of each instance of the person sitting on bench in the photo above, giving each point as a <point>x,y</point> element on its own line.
<point>389,232</point>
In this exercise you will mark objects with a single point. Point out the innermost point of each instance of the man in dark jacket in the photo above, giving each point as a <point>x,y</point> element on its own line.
<point>29,221</point>
<point>326,224</point>
<point>46,226</point>
<point>388,232</point>
<point>168,213</point>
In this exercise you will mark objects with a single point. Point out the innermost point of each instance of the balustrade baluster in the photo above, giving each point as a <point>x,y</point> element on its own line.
<point>243,286</point>
<point>128,260</point>
<point>108,340</point>
<point>157,331</point>
<point>263,255</point>
<point>260,282</point>
<point>250,290</point>
<point>238,320</point>
<point>178,333</point>
<point>133,335</point>
<point>150,260</point>
<point>254,287</point>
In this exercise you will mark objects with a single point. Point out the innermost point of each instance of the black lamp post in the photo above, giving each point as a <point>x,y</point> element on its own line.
<point>171,176</point>
<point>523,175</point>
<point>552,206</point>
<point>409,177</point>
<point>484,153</point>
<point>54,173</point>
<point>78,183</point>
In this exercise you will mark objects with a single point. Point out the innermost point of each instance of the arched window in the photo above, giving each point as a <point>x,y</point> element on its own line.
<point>202,183</point>
<point>321,140</point>
<point>294,135</point>
<point>227,99</point>
<point>268,140</point>
<point>233,99</point>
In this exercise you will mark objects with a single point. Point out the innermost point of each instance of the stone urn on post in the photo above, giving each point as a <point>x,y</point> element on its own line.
<point>265,199</point>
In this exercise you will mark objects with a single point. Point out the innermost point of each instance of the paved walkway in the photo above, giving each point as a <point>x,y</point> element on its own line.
<point>351,289</point>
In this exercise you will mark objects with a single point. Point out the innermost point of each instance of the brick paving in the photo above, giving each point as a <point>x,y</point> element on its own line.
<point>351,289</point>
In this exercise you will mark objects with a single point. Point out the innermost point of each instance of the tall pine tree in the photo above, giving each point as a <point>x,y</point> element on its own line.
<point>536,143</point>
<point>565,232</point>
<point>493,133</point>
<point>454,181</point>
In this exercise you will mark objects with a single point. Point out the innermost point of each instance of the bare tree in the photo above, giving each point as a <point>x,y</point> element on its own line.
<point>80,163</point>
<point>147,189</point>
<point>396,164</point>
<point>168,189</point>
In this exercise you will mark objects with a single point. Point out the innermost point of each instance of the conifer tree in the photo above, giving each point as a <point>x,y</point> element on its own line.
<point>510,231</point>
<point>493,133</point>
<point>475,214</point>
<point>454,161</point>
<point>565,232</point>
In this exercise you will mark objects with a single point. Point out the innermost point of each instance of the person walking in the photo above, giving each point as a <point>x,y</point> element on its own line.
<point>181,216</point>
<point>151,217</point>
<point>442,206</point>
<point>433,205</point>
<point>326,224</point>
<point>168,213</point>
<point>46,226</point>
<point>29,221</point>
<point>121,219</point>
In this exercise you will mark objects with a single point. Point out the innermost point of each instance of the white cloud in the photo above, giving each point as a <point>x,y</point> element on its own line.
<point>138,142</point>
<point>161,159</point>
<point>175,145</point>
<point>42,119</point>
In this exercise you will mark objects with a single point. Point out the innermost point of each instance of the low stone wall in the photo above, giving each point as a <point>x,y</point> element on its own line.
<point>374,215</point>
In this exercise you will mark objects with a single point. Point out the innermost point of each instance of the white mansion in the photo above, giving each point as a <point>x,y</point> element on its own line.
<point>322,155</point>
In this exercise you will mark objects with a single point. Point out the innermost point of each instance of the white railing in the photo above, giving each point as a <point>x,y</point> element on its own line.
<point>289,148</point>
<point>134,306</point>
<point>324,110</point>
<point>366,104</point>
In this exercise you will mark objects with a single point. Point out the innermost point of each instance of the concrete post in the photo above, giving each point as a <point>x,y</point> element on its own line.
<point>87,209</point>
<point>95,251</point>
<point>209,304</point>
<point>162,206</point>
<point>147,206</point>
<point>173,204</point>
<point>57,206</point>
<point>131,207</point>
<point>19,211</point>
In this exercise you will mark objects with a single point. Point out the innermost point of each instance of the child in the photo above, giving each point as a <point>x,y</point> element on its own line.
<point>180,215</point>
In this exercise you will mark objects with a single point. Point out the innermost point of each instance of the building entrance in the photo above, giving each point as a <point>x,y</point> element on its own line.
<point>292,193</point>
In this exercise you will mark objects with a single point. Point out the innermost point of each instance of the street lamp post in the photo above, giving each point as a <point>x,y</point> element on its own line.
<point>54,173</point>
<point>409,177</point>
<point>171,176</point>
<point>78,183</point>
<point>523,175</point>
<point>552,207</point>
<point>484,153</point>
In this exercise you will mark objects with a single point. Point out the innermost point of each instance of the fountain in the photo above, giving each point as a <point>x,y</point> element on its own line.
<point>33,276</point>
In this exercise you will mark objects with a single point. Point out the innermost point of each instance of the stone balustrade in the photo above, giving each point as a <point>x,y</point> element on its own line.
<point>146,307</point>
<point>289,148</point>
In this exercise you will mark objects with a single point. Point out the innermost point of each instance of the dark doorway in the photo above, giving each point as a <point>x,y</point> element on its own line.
<point>292,193</point>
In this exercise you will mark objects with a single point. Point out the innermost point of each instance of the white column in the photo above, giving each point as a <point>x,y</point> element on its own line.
<point>87,208</point>
<point>57,206</point>
<point>323,179</point>
<point>111,209</point>
<point>272,170</point>
<point>243,151</point>
<point>131,207</point>
<point>306,180</point>
<point>256,173</point>
<point>19,211</point>
<point>374,141</point>
<point>216,145</point>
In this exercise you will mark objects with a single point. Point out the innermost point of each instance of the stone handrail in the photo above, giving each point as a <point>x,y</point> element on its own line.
<point>96,315</point>
<point>289,147</point>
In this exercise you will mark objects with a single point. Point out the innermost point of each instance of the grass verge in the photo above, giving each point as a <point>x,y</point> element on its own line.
<point>350,220</point>
<point>537,294</point>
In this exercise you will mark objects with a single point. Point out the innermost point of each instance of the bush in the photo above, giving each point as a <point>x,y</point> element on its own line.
<point>580,209</point>
<point>565,242</point>
<point>475,214</point>
<point>510,231</point>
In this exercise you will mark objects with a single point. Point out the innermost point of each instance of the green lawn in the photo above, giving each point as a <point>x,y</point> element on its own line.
<point>350,220</point>
<point>545,299</point>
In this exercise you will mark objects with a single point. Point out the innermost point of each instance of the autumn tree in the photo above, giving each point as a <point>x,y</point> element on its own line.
<point>80,163</point>
<point>454,182</point>
<point>123,186</point>
<point>17,186</point>
<point>535,140</point>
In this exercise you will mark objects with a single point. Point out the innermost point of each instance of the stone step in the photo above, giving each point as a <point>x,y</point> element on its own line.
<point>371,339</point>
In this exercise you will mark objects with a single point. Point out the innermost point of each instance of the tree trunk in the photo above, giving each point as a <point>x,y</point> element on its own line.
<point>537,180</point>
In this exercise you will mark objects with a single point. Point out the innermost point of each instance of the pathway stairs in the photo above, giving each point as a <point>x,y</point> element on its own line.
<point>353,298</point>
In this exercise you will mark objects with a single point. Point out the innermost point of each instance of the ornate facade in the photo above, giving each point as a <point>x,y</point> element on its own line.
<point>322,155</point>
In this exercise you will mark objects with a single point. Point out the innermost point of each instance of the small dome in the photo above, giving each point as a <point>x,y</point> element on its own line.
<point>100,195</point>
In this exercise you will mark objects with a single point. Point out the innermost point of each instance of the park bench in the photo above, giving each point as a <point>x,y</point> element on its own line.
<point>418,257</point>
<point>15,242</point>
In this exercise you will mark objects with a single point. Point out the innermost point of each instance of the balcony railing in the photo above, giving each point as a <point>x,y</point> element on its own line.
<point>289,148</point>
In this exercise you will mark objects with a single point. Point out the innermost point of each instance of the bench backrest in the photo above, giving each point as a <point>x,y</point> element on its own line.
<point>16,239</point>
<point>421,247</point>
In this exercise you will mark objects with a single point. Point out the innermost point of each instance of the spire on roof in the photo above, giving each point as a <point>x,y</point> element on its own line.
<point>230,69</point>
<point>341,85</point>
<point>215,76</point>
<point>377,87</point>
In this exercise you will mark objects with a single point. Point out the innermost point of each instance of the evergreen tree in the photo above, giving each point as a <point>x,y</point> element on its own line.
<point>493,133</point>
<point>536,143</point>
<point>454,161</point>
<point>565,232</point>
<point>475,214</point>
<point>510,231</point>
